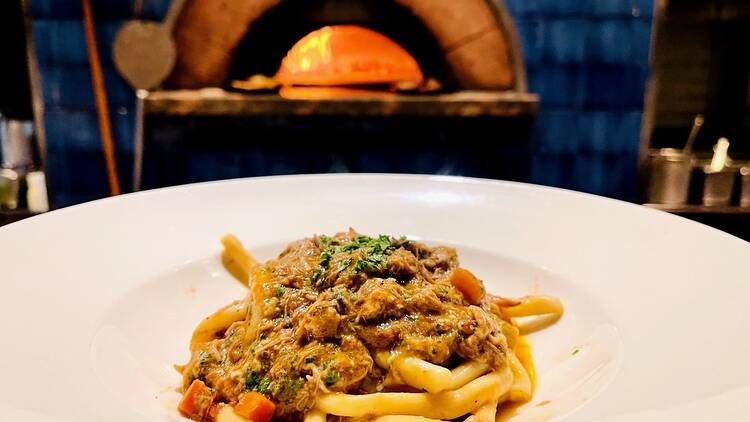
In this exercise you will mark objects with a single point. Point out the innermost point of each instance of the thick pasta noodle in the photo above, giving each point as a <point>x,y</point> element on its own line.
<point>361,328</point>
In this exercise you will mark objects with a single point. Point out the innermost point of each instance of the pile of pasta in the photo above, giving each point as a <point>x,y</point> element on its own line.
<point>417,390</point>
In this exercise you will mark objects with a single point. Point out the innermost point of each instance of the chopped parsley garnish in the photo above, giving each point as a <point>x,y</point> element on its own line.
<point>373,256</point>
<point>325,258</point>
<point>315,277</point>
<point>280,291</point>
<point>264,385</point>
<point>344,263</point>
<point>331,377</point>
<point>367,254</point>
<point>293,385</point>
<point>254,382</point>
<point>251,380</point>
<point>310,359</point>
<point>325,241</point>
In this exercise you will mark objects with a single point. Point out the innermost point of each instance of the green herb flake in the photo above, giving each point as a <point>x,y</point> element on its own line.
<point>315,277</point>
<point>293,385</point>
<point>325,258</point>
<point>264,385</point>
<point>331,377</point>
<point>251,380</point>
<point>310,359</point>
<point>344,263</point>
<point>280,291</point>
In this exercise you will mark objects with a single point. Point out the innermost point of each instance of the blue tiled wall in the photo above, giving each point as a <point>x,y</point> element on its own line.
<point>588,59</point>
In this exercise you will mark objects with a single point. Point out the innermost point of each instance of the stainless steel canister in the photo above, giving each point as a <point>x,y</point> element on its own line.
<point>16,143</point>
<point>745,196</point>
<point>718,186</point>
<point>670,176</point>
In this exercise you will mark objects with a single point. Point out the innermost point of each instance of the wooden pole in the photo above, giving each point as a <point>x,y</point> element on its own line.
<point>100,97</point>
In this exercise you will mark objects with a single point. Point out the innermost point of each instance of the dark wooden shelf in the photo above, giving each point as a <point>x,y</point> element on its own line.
<point>700,209</point>
<point>218,102</point>
<point>7,216</point>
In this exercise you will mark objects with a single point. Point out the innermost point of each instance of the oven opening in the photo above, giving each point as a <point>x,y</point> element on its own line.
<point>354,46</point>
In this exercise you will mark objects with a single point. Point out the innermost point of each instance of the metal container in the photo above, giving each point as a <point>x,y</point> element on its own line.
<point>16,143</point>
<point>717,186</point>
<point>745,195</point>
<point>670,176</point>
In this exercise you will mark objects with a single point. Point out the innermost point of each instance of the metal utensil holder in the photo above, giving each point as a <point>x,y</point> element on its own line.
<point>670,176</point>
<point>718,186</point>
<point>745,194</point>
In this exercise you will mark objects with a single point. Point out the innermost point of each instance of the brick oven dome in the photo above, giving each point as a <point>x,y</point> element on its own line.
<point>476,38</point>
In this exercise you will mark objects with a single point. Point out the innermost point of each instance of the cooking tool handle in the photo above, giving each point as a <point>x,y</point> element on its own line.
<point>173,13</point>
<point>697,124</point>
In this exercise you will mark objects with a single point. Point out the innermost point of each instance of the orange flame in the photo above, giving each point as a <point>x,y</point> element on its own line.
<point>347,55</point>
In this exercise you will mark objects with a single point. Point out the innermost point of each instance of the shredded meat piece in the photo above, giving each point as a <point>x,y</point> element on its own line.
<point>320,321</point>
<point>402,264</point>
<point>380,299</point>
<point>441,259</point>
<point>486,342</point>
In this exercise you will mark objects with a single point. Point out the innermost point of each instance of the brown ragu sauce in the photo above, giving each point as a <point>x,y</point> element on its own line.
<point>328,304</point>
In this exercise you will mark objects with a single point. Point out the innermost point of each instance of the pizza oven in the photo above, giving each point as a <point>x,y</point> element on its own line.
<point>353,77</point>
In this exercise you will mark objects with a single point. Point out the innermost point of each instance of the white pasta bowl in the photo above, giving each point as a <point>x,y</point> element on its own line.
<point>98,301</point>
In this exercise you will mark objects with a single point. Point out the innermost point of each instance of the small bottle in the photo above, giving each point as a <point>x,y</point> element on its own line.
<point>36,194</point>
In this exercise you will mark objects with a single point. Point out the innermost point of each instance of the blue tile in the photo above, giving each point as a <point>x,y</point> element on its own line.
<point>79,130</point>
<point>45,9</point>
<point>590,173</point>
<point>70,87</point>
<point>69,9</point>
<point>611,8</point>
<point>532,40</point>
<point>207,166</point>
<point>556,8</point>
<point>552,169</point>
<point>644,9</point>
<point>155,9</point>
<point>546,171</point>
<point>523,8</point>
<point>610,132</point>
<point>628,133</point>
<point>76,176</point>
<point>594,131</point>
<point>614,86</point>
<point>556,132</point>
<point>63,41</point>
<point>558,85</point>
<point>641,41</point>
<point>612,41</point>
<point>565,41</point>
<point>59,42</point>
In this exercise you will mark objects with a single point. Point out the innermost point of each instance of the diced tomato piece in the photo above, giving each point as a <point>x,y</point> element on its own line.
<point>197,400</point>
<point>255,406</point>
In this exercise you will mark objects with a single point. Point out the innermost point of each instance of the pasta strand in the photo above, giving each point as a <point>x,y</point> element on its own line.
<point>445,405</point>
<point>315,415</point>
<point>219,321</point>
